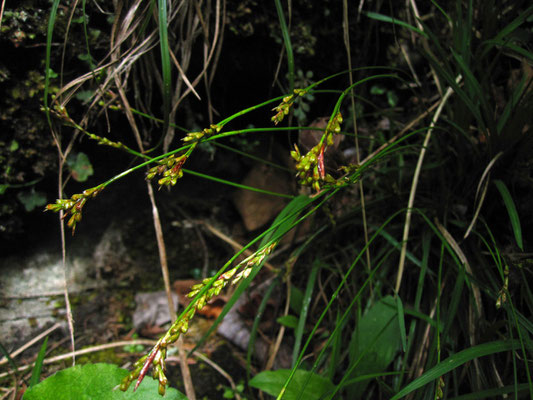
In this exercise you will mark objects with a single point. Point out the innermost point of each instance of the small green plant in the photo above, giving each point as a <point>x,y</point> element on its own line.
<point>392,97</point>
<point>230,393</point>
<point>134,348</point>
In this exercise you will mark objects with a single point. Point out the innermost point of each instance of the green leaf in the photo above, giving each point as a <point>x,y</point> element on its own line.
<point>511,210</point>
<point>165,62</point>
<point>49,74</point>
<point>375,342</point>
<point>31,199</point>
<point>297,297</point>
<point>14,145</point>
<point>271,382</point>
<point>84,57</point>
<point>257,320</point>
<point>36,373</point>
<point>300,329</point>
<point>80,166</point>
<point>52,73</point>
<point>455,361</point>
<point>386,18</point>
<point>377,90</point>
<point>494,392</point>
<point>81,20</point>
<point>84,95</point>
<point>290,321</point>
<point>401,321</point>
<point>392,99</point>
<point>10,360</point>
<point>94,382</point>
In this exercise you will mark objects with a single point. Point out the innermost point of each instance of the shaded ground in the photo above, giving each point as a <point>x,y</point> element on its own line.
<point>112,257</point>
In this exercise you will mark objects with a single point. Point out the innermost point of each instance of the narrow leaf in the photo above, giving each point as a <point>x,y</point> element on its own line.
<point>305,310</point>
<point>494,392</point>
<point>47,73</point>
<point>456,361</point>
<point>10,360</point>
<point>386,18</point>
<point>165,62</point>
<point>511,210</point>
<point>401,322</point>
<point>36,373</point>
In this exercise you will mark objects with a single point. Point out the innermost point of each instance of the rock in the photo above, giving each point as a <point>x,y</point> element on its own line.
<point>152,309</point>
<point>256,209</point>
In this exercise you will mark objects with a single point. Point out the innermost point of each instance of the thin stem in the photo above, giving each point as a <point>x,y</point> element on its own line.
<point>414,185</point>
<point>70,320</point>
<point>345,26</point>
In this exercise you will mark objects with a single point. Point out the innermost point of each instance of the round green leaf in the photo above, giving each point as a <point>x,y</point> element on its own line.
<point>31,199</point>
<point>95,382</point>
<point>81,167</point>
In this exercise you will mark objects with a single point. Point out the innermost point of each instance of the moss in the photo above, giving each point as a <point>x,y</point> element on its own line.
<point>103,356</point>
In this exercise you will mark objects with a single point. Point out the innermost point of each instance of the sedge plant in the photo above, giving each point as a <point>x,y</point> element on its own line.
<point>408,286</point>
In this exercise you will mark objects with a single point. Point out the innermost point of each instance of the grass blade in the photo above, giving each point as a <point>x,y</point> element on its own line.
<point>237,185</point>
<point>511,210</point>
<point>255,326</point>
<point>10,360</point>
<point>335,349</point>
<point>36,373</point>
<point>514,24</point>
<point>401,322</point>
<point>281,225</point>
<point>386,18</point>
<point>287,43</point>
<point>165,62</point>
<point>47,71</point>
<point>457,360</point>
<point>493,393</point>
<point>305,309</point>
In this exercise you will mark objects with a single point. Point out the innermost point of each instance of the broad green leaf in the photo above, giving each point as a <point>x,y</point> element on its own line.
<point>375,342</point>
<point>95,382</point>
<point>271,382</point>
<point>80,167</point>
